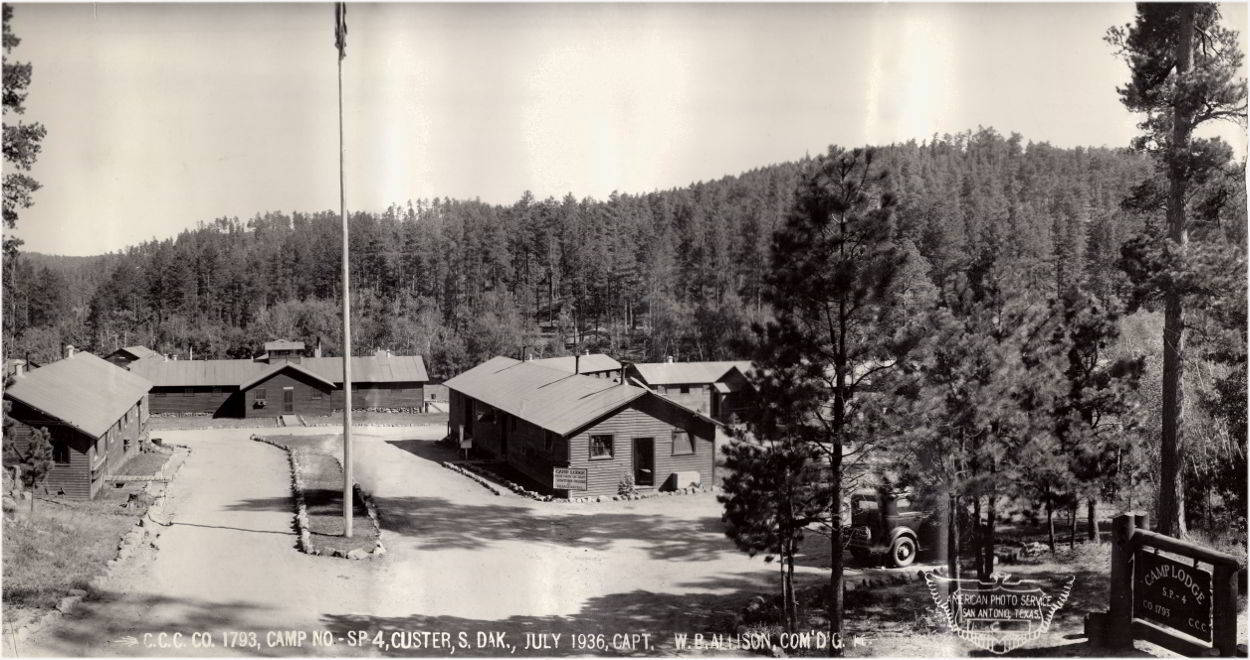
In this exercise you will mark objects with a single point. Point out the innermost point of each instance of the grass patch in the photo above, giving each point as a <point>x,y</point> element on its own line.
<point>144,464</point>
<point>321,475</point>
<point>64,545</point>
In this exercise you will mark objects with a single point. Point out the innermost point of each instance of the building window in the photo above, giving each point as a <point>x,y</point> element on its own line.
<point>685,389</point>
<point>159,394</point>
<point>60,453</point>
<point>601,448</point>
<point>682,443</point>
<point>316,394</point>
<point>260,394</point>
<point>188,391</point>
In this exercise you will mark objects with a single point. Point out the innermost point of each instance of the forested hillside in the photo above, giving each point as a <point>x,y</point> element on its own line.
<point>676,272</point>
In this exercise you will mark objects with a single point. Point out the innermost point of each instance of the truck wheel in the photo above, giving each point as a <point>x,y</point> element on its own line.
<point>902,552</point>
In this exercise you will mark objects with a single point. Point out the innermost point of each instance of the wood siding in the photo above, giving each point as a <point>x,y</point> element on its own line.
<point>229,402</point>
<point>91,460</point>
<point>215,401</point>
<point>310,396</point>
<point>527,449</point>
<point>644,418</point>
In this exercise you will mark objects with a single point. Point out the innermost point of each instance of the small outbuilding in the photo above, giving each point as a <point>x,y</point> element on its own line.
<point>579,435</point>
<point>717,389</point>
<point>95,412</point>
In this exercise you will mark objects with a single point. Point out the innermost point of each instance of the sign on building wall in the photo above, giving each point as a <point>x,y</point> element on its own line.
<point>1172,594</point>
<point>569,478</point>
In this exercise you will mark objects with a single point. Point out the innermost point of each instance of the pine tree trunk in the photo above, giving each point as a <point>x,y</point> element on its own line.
<point>977,536</point>
<point>952,539</point>
<point>1091,519</point>
<point>988,540</point>
<point>1072,525</point>
<point>1050,524</point>
<point>835,604</point>
<point>794,598</point>
<point>1171,511</point>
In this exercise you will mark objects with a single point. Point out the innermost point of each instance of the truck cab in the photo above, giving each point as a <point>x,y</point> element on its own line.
<point>889,521</point>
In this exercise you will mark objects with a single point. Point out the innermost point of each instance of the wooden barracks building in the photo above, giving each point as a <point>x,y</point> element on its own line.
<point>282,381</point>
<point>539,419</point>
<point>95,412</point>
<point>716,389</point>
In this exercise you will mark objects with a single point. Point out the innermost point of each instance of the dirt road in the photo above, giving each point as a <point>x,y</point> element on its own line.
<point>460,560</point>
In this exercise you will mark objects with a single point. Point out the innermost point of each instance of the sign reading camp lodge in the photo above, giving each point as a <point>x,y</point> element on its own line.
<point>570,478</point>
<point>1173,595</point>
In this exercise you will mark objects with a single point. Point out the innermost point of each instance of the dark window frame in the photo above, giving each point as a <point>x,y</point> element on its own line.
<point>611,440</point>
<point>685,389</point>
<point>60,453</point>
<point>260,394</point>
<point>689,443</point>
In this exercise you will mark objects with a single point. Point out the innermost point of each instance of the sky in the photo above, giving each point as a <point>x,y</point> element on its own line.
<point>163,116</point>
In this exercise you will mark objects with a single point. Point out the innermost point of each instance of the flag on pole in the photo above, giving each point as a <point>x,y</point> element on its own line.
<point>340,28</point>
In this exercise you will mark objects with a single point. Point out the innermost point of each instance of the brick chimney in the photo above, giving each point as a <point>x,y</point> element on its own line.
<point>69,350</point>
<point>317,350</point>
<point>669,359</point>
<point>19,368</point>
<point>577,363</point>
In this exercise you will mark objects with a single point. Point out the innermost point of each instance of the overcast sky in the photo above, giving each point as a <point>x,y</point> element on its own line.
<point>159,117</point>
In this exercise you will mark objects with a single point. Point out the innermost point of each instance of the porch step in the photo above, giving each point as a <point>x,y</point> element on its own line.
<point>290,420</point>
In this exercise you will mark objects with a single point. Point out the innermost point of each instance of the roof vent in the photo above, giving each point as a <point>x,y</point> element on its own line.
<point>69,350</point>
<point>669,359</point>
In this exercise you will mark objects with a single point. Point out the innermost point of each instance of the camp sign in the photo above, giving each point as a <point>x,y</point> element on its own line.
<point>1169,593</point>
<point>569,478</point>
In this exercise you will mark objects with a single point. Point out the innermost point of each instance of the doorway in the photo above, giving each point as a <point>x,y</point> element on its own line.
<point>288,399</point>
<point>644,461</point>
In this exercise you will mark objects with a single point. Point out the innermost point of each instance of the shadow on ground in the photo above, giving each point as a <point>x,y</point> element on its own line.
<point>437,523</point>
<point>658,614</point>
<point>102,624</point>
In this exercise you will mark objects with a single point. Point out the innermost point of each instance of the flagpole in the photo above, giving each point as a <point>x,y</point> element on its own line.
<point>340,41</point>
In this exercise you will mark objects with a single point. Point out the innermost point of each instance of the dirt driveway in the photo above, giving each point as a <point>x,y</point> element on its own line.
<point>460,560</point>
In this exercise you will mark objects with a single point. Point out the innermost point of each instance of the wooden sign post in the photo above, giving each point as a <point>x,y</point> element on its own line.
<point>1185,600</point>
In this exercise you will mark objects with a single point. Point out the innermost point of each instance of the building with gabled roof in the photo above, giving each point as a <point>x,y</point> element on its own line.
<point>95,412</point>
<point>282,381</point>
<point>538,420</point>
<point>717,389</point>
<point>122,357</point>
<point>598,365</point>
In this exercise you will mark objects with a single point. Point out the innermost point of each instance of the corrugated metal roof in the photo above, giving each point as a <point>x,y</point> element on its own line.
<point>284,345</point>
<point>555,400</point>
<point>226,373</point>
<point>681,373</point>
<point>140,352</point>
<point>585,364</point>
<point>84,391</point>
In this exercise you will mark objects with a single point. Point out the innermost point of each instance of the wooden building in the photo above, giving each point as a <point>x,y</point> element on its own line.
<point>538,419</point>
<point>122,357</point>
<point>95,412</point>
<point>282,382</point>
<point>597,365</point>
<point>716,389</point>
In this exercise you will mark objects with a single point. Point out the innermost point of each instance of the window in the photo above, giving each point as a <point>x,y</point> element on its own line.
<point>260,394</point>
<point>316,394</point>
<point>160,394</point>
<point>682,444</point>
<point>685,389</point>
<point>60,453</point>
<point>188,391</point>
<point>601,448</point>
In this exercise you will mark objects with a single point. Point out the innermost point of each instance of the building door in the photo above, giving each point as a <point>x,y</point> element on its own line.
<point>644,461</point>
<point>288,399</point>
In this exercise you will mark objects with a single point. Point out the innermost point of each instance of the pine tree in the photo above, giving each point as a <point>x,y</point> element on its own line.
<point>834,267</point>
<point>1184,72</point>
<point>32,463</point>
